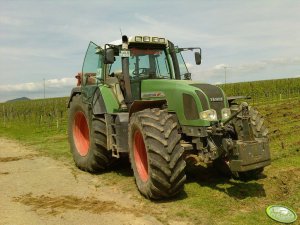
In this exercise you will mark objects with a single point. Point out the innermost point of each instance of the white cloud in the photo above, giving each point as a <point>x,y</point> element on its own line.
<point>220,66</point>
<point>58,83</point>
<point>238,72</point>
<point>149,20</point>
<point>38,86</point>
<point>6,20</point>
<point>21,52</point>
<point>267,63</point>
<point>21,87</point>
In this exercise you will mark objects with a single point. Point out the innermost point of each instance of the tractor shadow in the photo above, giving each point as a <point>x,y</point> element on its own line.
<point>210,177</point>
<point>204,177</point>
<point>122,167</point>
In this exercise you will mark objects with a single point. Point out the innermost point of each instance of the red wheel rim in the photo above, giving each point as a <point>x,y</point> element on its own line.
<point>81,134</point>
<point>140,156</point>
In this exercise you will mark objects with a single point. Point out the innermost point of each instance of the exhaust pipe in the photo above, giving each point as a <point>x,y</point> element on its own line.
<point>125,71</point>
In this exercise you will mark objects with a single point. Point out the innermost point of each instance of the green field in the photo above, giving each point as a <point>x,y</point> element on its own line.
<point>40,123</point>
<point>265,90</point>
<point>208,198</point>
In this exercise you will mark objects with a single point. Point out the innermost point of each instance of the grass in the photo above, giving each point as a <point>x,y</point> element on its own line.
<point>38,123</point>
<point>48,141</point>
<point>208,198</point>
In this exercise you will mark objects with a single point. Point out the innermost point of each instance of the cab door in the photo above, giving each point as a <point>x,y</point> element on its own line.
<point>92,71</point>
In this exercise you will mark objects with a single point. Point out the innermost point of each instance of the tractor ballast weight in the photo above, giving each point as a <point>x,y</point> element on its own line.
<point>135,97</point>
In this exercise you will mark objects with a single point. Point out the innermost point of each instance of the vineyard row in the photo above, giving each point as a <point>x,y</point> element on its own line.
<point>53,112</point>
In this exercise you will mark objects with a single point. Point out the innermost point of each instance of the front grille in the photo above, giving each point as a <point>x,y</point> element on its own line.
<point>190,107</point>
<point>215,96</point>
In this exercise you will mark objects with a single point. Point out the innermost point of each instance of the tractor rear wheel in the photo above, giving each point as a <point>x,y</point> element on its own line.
<point>259,131</point>
<point>87,137</point>
<point>155,153</point>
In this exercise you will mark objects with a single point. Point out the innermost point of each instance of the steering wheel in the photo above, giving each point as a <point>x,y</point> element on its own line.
<point>141,72</point>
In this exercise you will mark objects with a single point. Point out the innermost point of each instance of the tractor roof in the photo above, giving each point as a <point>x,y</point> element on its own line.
<point>142,39</point>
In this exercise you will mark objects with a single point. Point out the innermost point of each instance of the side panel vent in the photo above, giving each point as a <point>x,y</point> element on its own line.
<point>215,96</point>
<point>190,107</point>
<point>203,100</point>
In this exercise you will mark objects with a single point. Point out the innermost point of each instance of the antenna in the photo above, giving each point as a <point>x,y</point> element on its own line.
<point>121,32</point>
<point>44,88</point>
<point>225,70</point>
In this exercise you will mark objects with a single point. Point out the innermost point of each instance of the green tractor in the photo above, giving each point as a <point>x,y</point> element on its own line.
<point>135,97</point>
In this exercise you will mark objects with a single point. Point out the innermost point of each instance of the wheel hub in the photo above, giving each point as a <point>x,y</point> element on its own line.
<point>140,156</point>
<point>81,133</point>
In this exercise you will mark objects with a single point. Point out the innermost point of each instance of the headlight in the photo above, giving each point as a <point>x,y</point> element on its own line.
<point>210,115</point>
<point>226,113</point>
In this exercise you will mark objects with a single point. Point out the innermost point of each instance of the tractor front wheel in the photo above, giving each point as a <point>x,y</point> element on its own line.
<point>155,153</point>
<point>259,130</point>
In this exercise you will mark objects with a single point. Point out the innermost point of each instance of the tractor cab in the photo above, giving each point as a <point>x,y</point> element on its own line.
<point>124,64</point>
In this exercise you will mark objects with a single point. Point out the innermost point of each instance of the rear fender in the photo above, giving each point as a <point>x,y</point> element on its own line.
<point>98,104</point>
<point>75,91</point>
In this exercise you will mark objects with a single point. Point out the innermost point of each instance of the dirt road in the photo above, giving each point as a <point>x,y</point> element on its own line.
<point>36,189</point>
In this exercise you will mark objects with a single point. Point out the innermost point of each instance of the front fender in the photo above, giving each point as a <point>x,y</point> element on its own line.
<point>140,105</point>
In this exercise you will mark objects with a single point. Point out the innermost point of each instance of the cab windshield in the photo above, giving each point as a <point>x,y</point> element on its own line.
<point>145,64</point>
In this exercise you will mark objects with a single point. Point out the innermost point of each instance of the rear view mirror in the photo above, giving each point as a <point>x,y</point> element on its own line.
<point>109,56</point>
<point>198,58</point>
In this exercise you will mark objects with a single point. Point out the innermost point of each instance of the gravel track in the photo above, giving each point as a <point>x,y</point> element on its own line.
<point>35,189</point>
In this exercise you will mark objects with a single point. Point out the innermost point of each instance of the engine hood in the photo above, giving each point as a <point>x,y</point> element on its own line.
<point>186,98</point>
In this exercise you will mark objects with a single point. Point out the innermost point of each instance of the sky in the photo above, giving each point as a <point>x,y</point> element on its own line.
<point>45,41</point>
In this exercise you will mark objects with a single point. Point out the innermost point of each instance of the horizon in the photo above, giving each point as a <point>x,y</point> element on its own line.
<point>68,94</point>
